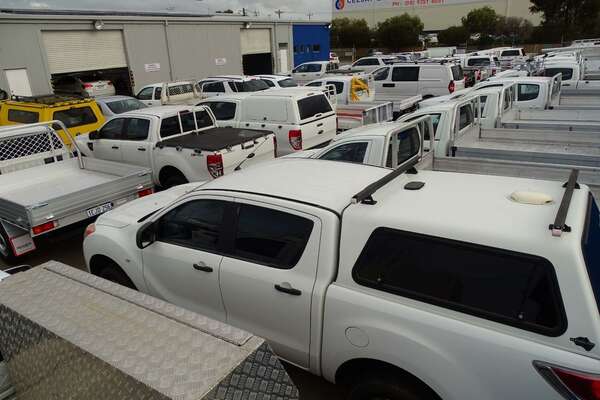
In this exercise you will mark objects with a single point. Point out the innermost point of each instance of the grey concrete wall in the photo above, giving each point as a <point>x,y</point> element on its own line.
<point>147,44</point>
<point>283,34</point>
<point>194,49</point>
<point>21,47</point>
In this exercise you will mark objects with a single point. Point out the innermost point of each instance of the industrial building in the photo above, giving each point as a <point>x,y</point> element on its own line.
<point>133,50</point>
<point>437,15</point>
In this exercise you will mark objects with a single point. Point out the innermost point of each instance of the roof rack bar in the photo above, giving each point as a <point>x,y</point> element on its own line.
<point>364,196</point>
<point>559,226</point>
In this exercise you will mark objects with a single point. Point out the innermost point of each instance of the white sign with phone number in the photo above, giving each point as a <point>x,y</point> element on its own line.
<point>348,5</point>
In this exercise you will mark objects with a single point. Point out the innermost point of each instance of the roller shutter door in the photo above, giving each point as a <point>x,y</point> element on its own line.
<point>256,41</point>
<point>73,51</point>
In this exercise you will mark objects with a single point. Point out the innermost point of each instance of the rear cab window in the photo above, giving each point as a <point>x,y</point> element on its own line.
<point>170,126</point>
<point>590,246</point>
<point>312,106</point>
<point>223,110</point>
<point>76,116</point>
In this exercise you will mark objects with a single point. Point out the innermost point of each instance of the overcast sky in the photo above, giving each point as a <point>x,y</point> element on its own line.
<point>321,9</point>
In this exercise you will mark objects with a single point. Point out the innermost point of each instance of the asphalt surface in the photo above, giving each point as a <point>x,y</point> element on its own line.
<point>66,247</point>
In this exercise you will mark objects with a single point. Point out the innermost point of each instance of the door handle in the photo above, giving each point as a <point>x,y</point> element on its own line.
<point>320,132</point>
<point>285,287</point>
<point>115,147</point>
<point>141,149</point>
<point>319,125</point>
<point>389,85</point>
<point>201,266</point>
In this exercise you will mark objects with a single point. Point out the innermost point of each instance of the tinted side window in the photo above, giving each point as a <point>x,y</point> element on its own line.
<point>567,73</point>
<point>313,105</point>
<point>511,288</point>
<point>278,244</point>
<point>145,93</point>
<point>113,129</point>
<point>381,74</point>
<point>195,224</point>
<point>76,116</point>
<point>466,116</point>
<point>457,73</point>
<point>349,152</point>
<point>339,86</point>
<point>157,93</point>
<point>169,127</point>
<point>405,74</point>
<point>268,82</point>
<point>137,129</point>
<point>23,117</point>
<point>223,110</point>
<point>409,144</point>
<point>203,119</point>
<point>528,92</point>
<point>217,87</point>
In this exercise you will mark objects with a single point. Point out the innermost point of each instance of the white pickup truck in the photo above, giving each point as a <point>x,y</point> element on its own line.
<point>301,118</point>
<point>332,263</point>
<point>169,93</point>
<point>356,105</point>
<point>574,79</point>
<point>179,143</point>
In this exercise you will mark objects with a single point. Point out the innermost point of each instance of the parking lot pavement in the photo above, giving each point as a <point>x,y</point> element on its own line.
<point>66,247</point>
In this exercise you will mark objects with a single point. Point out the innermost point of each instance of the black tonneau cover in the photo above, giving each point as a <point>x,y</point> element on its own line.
<point>214,139</point>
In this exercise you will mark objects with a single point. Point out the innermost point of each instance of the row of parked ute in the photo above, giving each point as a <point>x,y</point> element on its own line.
<point>451,254</point>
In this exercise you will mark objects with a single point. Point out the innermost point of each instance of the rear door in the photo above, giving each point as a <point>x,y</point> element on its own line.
<point>267,276</point>
<point>135,143</point>
<point>318,121</point>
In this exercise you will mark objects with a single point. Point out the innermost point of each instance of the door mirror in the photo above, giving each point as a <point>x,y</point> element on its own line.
<point>146,235</point>
<point>94,135</point>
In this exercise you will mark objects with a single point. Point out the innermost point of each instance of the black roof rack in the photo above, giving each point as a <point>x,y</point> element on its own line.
<point>365,196</point>
<point>47,99</point>
<point>559,226</point>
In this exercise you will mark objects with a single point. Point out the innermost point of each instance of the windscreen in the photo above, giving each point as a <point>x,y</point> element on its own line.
<point>287,83</point>
<point>479,62</point>
<point>250,86</point>
<point>511,53</point>
<point>121,106</point>
<point>313,105</point>
<point>76,116</point>
<point>590,246</point>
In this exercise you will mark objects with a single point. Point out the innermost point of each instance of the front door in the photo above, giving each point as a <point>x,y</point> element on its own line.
<point>268,274</point>
<point>182,266</point>
<point>108,146</point>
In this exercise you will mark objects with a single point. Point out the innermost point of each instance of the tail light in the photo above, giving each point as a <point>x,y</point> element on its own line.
<point>494,71</point>
<point>295,137</point>
<point>477,75</point>
<point>214,163</point>
<point>90,229</point>
<point>583,385</point>
<point>145,192</point>
<point>274,146</point>
<point>109,83</point>
<point>45,227</point>
<point>451,87</point>
<point>88,85</point>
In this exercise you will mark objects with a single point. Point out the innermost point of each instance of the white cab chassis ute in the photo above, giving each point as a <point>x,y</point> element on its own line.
<point>179,143</point>
<point>422,285</point>
<point>44,187</point>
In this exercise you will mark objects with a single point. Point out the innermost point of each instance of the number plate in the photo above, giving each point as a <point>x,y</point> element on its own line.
<point>101,209</point>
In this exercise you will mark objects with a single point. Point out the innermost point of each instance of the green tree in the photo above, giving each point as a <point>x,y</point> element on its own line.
<point>453,36</point>
<point>482,20</point>
<point>400,31</point>
<point>516,29</point>
<point>568,19</point>
<point>347,32</point>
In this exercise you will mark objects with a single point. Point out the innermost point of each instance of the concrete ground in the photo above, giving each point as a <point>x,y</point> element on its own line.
<point>66,247</point>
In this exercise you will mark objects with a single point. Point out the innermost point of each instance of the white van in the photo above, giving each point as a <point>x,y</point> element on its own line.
<point>425,79</point>
<point>300,118</point>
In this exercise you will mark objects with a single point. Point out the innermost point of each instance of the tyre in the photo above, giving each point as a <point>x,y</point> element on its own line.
<point>173,180</point>
<point>388,387</point>
<point>6,252</point>
<point>114,273</point>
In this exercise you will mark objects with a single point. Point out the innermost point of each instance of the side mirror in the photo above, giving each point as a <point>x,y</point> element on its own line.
<point>146,235</point>
<point>94,135</point>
